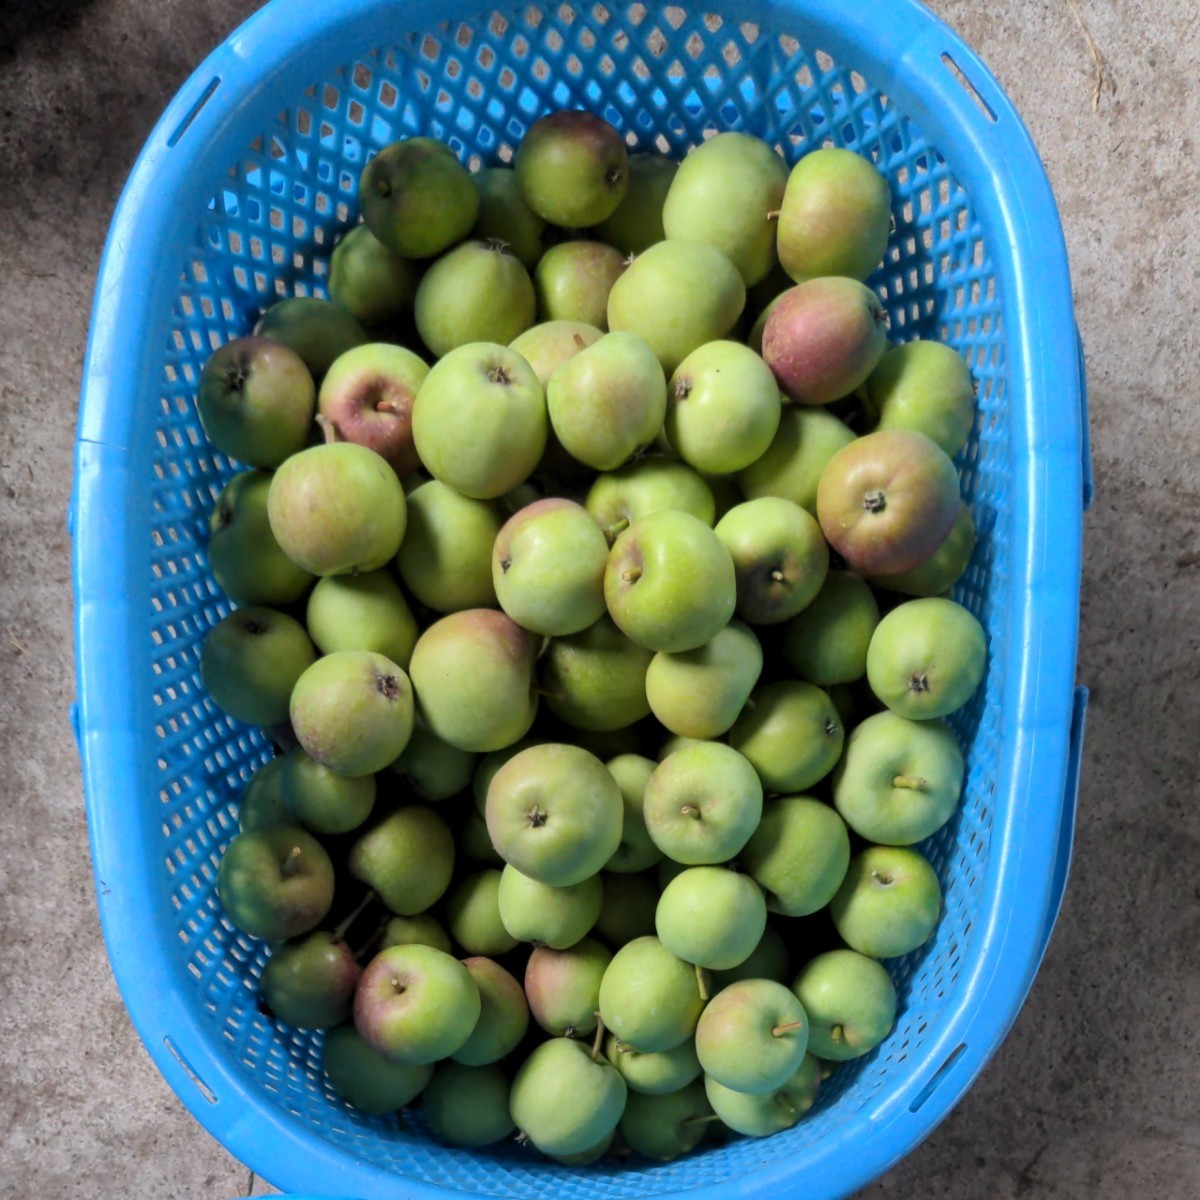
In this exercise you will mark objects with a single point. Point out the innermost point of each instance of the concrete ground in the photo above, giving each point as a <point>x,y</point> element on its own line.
<point>1095,1093</point>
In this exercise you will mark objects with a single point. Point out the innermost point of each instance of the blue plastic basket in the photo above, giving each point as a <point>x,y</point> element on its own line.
<point>236,200</point>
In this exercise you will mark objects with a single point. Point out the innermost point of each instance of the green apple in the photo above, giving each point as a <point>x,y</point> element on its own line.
<point>752,1036</point>
<point>572,168</point>
<point>247,562</point>
<point>554,812</point>
<point>433,770</point>
<point>473,915</point>
<point>670,583</point>
<point>408,858</point>
<point>261,802</point>
<point>727,193</point>
<point>711,916</point>
<point>649,998</point>
<point>636,851</point>
<point>251,661</point>
<point>657,1073</point>
<point>547,346</point>
<point>371,282</point>
<point>791,733</point>
<point>900,780</point>
<point>548,565</point>
<point>699,693</point>
<point>765,1113</point>
<point>275,883</point>
<point>702,804</point>
<point>491,392</point>
<point>362,612</point>
<point>596,679</point>
<point>417,198</point>
<point>563,987</point>
<point>807,438</point>
<point>573,280</point>
<point>723,408</point>
<point>889,903</point>
<point>608,401</point>
<point>316,503</point>
<point>677,295</point>
<point>617,499</point>
<point>927,658</point>
<point>365,1079</point>
<point>663,1127</point>
<point>827,643</point>
<point>478,292</point>
<point>564,1100</point>
<point>473,675</point>
<point>505,217</point>
<point>319,331</point>
<point>558,917</point>
<point>421,929</point>
<point>835,216</point>
<point>924,386</point>
<point>768,960</point>
<point>503,1016</point>
<point>850,1001</point>
<point>637,223</point>
<point>468,1106</point>
<point>798,854</point>
<point>416,1005</point>
<point>353,712</point>
<point>310,983</point>
<point>779,556</point>
<point>322,800</point>
<point>255,401</point>
<point>445,560</point>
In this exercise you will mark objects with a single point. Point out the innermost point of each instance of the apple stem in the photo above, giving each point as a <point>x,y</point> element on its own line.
<point>632,575</point>
<point>616,529</point>
<point>913,783</point>
<point>689,810</point>
<point>291,864</point>
<point>785,1106</point>
<point>339,931</point>
<point>328,428</point>
<point>387,406</point>
<point>579,341</point>
<point>773,215</point>
<point>699,1120</point>
<point>539,691</point>
<point>777,576</point>
<point>599,1036</point>
<point>702,982</point>
<point>780,1030</point>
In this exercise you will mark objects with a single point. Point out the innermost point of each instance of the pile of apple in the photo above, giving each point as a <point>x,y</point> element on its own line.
<point>602,770</point>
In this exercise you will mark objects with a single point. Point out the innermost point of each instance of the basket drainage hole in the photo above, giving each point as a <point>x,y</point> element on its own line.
<point>968,87</point>
<point>938,1076</point>
<point>193,112</point>
<point>201,1086</point>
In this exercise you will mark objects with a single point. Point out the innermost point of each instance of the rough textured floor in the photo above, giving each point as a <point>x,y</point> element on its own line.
<point>1095,1093</point>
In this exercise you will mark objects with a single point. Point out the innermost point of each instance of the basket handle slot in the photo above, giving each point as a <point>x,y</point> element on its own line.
<point>1089,489</point>
<point>190,1071</point>
<point>193,112</point>
<point>938,1077</point>
<point>967,86</point>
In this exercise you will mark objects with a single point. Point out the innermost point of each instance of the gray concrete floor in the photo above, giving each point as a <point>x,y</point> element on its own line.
<point>1095,1093</point>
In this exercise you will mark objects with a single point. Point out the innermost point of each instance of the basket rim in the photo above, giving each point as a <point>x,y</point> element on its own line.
<point>1024,887</point>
